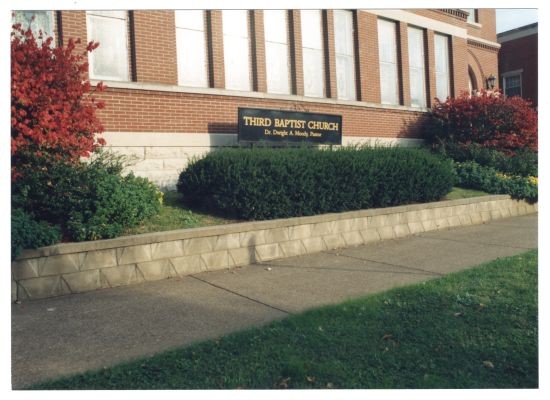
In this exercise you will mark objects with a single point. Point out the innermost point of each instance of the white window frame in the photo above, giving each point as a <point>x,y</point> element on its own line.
<point>91,56</point>
<point>228,57</point>
<point>472,15</point>
<point>447,67</point>
<point>183,52</point>
<point>518,72</point>
<point>281,86</point>
<point>317,52</point>
<point>347,92</point>
<point>422,69</point>
<point>388,95</point>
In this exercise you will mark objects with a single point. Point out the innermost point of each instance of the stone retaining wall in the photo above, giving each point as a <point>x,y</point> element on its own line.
<point>80,267</point>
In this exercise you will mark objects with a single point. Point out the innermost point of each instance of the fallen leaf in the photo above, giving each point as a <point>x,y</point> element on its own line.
<point>387,336</point>
<point>283,383</point>
<point>488,364</point>
<point>310,379</point>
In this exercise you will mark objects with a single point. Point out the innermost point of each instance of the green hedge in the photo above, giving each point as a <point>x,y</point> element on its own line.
<point>27,233</point>
<point>89,201</point>
<point>269,183</point>
<point>472,175</point>
<point>523,162</point>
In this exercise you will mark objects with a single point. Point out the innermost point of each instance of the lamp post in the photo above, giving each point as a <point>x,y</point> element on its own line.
<point>491,82</point>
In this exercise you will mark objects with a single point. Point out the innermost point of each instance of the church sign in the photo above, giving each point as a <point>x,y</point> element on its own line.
<point>259,125</point>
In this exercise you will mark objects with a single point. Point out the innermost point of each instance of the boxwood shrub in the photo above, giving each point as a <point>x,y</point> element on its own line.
<point>266,183</point>
<point>472,175</point>
<point>89,201</point>
<point>27,233</point>
<point>523,162</point>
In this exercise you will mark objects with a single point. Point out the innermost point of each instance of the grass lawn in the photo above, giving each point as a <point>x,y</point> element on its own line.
<point>473,329</point>
<point>174,215</point>
<point>461,193</point>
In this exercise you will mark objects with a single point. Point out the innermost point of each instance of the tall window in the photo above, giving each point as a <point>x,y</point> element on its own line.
<point>471,15</point>
<point>276,51</point>
<point>343,38</point>
<point>191,48</point>
<point>512,84</point>
<point>43,21</point>
<point>387,51</point>
<point>312,50</point>
<point>417,74</point>
<point>110,60</point>
<point>442,81</point>
<point>236,43</point>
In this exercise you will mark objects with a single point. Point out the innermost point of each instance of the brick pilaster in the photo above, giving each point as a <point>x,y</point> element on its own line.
<point>367,58</point>
<point>296,57</point>
<point>259,79</point>
<point>216,71</point>
<point>331,90</point>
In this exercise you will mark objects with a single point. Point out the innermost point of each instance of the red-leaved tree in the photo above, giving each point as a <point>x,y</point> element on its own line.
<point>487,118</point>
<point>53,111</point>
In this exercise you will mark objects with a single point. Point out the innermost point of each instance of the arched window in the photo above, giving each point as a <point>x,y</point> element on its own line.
<point>472,82</point>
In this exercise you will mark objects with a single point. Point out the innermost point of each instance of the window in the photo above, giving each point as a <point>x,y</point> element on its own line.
<point>191,48</point>
<point>512,84</point>
<point>472,81</point>
<point>471,15</point>
<point>110,60</point>
<point>417,74</point>
<point>43,21</point>
<point>312,49</point>
<point>276,51</point>
<point>236,45</point>
<point>387,51</point>
<point>343,38</point>
<point>442,81</point>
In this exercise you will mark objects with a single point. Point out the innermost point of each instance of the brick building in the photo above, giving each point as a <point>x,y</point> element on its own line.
<point>518,62</point>
<point>176,78</point>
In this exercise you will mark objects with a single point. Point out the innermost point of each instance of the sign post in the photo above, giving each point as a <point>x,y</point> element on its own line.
<point>259,125</point>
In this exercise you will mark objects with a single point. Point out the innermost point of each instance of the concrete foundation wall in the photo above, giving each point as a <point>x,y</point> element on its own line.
<point>161,156</point>
<point>80,267</point>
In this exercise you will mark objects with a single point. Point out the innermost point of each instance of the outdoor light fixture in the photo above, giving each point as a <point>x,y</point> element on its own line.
<point>491,81</point>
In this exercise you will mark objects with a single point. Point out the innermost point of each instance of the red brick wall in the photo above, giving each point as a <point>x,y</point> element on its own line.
<point>484,62</point>
<point>154,53</point>
<point>74,26</point>
<point>155,47</point>
<point>367,34</point>
<point>205,113</point>
<point>522,53</point>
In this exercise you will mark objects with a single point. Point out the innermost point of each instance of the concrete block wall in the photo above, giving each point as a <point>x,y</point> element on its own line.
<point>80,267</point>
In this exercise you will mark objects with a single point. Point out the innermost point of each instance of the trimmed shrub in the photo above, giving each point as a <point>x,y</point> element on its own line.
<point>27,233</point>
<point>506,124</point>
<point>523,162</point>
<point>472,175</point>
<point>88,200</point>
<point>269,183</point>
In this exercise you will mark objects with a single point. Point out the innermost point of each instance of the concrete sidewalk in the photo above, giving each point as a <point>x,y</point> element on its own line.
<point>66,335</point>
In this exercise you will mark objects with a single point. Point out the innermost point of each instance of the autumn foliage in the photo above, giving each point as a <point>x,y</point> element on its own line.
<point>53,111</point>
<point>488,119</point>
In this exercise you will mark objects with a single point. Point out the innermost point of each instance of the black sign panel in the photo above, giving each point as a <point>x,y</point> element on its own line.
<point>258,125</point>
